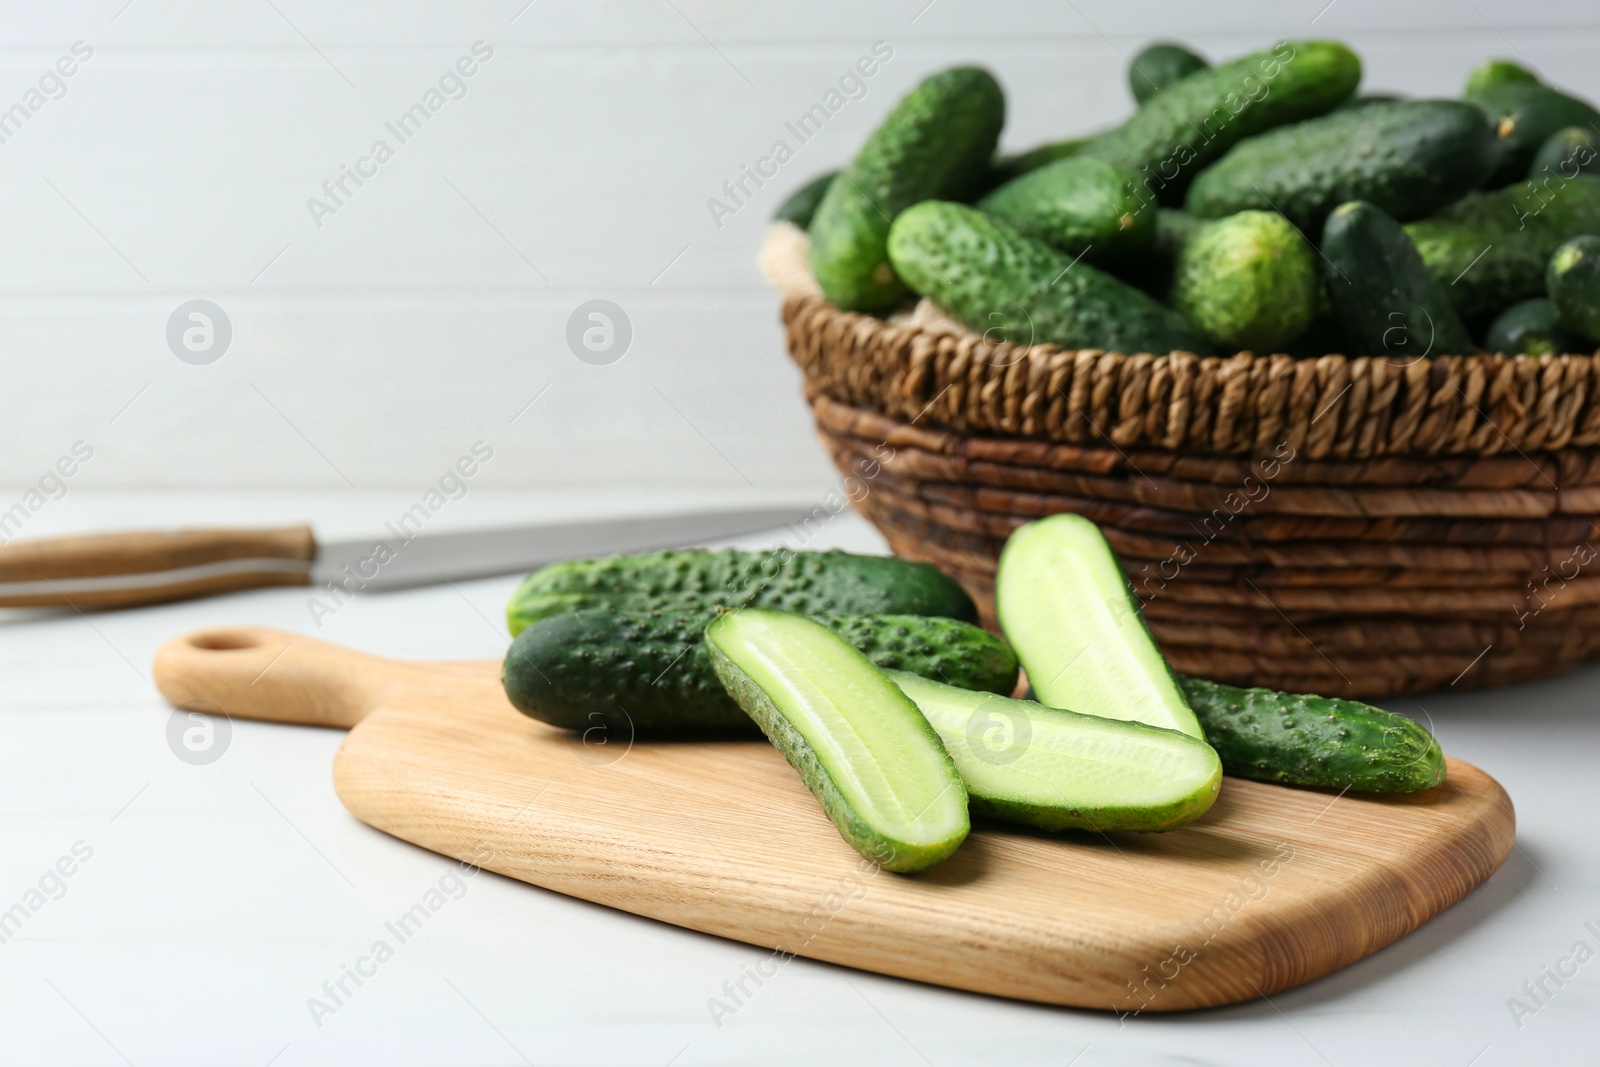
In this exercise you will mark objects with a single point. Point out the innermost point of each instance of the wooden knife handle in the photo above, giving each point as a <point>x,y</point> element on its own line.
<point>258,673</point>
<point>151,567</point>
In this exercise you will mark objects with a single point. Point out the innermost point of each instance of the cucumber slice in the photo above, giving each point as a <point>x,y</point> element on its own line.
<point>1067,610</point>
<point>1057,770</point>
<point>859,743</point>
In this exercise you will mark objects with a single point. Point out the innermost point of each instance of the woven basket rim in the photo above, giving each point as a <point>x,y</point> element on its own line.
<point>928,370</point>
<point>1331,406</point>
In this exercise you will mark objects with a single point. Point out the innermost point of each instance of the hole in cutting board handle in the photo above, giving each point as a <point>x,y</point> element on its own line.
<point>224,640</point>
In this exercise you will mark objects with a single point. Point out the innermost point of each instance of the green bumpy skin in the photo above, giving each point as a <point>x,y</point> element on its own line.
<point>1531,328</point>
<point>1012,288</point>
<point>1573,282</point>
<point>1384,299</point>
<point>701,582</point>
<point>1084,207</point>
<point>1160,65</point>
<point>890,854</point>
<point>1524,226</point>
<point>1189,125</point>
<point>801,206</point>
<point>1409,158</point>
<point>1249,280</point>
<point>1568,153</point>
<point>642,675</point>
<point>1314,741</point>
<point>1497,72</point>
<point>935,144</point>
<point>1525,115</point>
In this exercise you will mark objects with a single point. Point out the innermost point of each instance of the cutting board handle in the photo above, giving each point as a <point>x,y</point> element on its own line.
<point>258,673</point>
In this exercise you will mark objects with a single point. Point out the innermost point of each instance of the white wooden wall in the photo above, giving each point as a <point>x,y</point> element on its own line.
<point>432,307</point>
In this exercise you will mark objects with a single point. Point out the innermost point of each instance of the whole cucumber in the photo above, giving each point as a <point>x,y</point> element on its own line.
<point>936,143</point>
<point>1490,249</point>
<point>650,674</point>
<point>1384,299</point>
<point>1084,207</point>
<point>1497,72</point>
<point>1156,66</point>
<point>1531,328</point>
<point>1525,115</point>
<point>1189,125</point>
<point>1314,741</point>
<point>1573,281</point>
<point>1249,280</point>
<point>698,581</point>
<point>1569,152</point>
<point>1017,289</point>
<point>1409,158</point>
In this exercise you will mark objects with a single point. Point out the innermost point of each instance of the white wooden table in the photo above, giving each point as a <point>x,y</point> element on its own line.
<point>208,904</point>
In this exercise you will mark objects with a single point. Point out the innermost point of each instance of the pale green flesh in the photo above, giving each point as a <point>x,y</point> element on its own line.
<point>867,735</point>
<point>1115,774</point>
<point>1065,607</point>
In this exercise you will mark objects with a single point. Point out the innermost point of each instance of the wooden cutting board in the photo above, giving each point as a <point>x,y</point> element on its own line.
<point>1272,888</point>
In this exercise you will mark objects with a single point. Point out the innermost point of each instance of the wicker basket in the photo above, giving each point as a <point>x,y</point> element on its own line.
<point>1358,527</point>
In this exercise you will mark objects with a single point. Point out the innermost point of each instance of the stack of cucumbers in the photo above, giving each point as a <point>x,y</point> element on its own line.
<point>872,678</point>
<point>1262,204</point>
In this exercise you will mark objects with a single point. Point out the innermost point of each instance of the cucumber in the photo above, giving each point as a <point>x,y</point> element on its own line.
<point>1490,249</point>
<point>1384,299</point>
<point>1531,328</point>
<point>1159,65</point>
<point>1497,72</point>
<point>1315,741</point>
<point>1066,607</point>
<point>1190,124</point>
<point>1013,288</point>
<point>1525,115</point>
<point>935,144</point>
<point>1409,158</point>
<point>802,203</point>
<point>1009,167</point>
<point>1573,282</point>
<point>700,582</point>
<point>1569,152</point>
<point>859,743</point>
<point>1057,770</point>
<point>1249,281</point>
<point>1084,207</point>
<point>651,674</point>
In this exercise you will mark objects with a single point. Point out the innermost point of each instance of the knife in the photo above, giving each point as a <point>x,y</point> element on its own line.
<point>153,567</point>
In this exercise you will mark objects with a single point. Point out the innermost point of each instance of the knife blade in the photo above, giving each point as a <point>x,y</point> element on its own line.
<point>398,562</point>
<point>152,567</point>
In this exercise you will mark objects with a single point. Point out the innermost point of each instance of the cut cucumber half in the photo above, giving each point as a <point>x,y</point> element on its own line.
<point>1067,610</point>
<point>1057,770</point>
<point>860,744</point>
